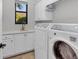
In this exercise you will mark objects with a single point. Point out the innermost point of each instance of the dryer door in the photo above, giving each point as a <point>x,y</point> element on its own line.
<point>63,51</point>
<point>59,49</point>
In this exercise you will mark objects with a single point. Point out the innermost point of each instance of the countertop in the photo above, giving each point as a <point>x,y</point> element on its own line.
<point>17,32</point>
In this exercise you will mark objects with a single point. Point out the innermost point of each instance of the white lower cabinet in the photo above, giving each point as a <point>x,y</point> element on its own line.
<point>9,49</point>
<point>29,41</point>
<point>19,43</point>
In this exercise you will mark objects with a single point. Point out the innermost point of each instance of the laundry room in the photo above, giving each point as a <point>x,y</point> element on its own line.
<point>39,29</point>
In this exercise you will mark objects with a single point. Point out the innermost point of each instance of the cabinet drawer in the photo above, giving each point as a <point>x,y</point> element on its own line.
<point>5,37</point>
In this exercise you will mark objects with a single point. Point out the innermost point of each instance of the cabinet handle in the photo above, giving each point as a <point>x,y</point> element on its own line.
<point>2,45</point>
<point>11,40</point>
<point>7,38</point>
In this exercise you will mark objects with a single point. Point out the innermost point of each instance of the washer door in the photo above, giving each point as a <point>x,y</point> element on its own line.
<point>63,50</point>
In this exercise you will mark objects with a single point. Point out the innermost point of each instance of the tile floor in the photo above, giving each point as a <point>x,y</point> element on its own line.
<point>24,56</point>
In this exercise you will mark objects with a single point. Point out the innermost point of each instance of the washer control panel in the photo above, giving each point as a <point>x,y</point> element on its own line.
<point>73,39</point>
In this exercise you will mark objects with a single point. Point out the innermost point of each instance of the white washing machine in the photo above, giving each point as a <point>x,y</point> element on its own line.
<point>45,34</point>
<point>63,42</point>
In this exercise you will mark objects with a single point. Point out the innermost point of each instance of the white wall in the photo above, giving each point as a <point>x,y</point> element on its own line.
<point>66,11</point>
<point>0,22</point>
<point>9,16</point>
<point>0,18</point>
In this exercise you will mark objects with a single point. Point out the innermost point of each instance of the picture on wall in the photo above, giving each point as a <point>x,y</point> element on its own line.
<point>21,13</point>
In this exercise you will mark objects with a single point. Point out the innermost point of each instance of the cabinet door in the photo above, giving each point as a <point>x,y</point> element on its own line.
<point>29,41</point>
<point>41,45</point>
<point>19,43</point>
<point>9,49</point>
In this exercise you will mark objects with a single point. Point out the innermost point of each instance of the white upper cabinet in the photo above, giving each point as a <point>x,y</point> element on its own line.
<point>40,10</point>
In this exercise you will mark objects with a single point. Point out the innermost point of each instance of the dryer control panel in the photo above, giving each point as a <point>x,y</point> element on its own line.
<point>65,27</point>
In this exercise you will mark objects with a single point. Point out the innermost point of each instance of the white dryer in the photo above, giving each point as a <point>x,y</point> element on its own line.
<point>63,44</point>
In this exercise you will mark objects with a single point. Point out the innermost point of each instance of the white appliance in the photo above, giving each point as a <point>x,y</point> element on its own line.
<point>63,42</point>
<point>45,35</point>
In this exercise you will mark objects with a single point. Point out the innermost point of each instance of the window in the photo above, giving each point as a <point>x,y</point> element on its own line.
<point>21,13</point>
